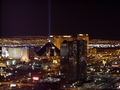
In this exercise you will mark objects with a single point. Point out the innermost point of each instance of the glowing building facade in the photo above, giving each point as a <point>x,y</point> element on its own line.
<point>18,53</point>
<point>57,39</point>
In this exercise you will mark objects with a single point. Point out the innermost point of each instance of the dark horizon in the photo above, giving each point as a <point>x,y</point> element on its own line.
<point>98,19</point>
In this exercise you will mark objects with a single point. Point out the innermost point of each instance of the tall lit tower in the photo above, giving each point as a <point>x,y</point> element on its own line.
<point>84,37</point>
<point>73,61</point>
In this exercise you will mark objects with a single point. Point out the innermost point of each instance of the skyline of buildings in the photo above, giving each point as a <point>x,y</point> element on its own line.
<point>71,64</point>
<point>56,39</point>
<point>35,43</point>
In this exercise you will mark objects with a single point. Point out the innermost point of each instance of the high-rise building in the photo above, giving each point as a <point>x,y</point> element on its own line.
<point>73,61</point>
<point>31,53</point>
<point>0,52</point>
<point>84,37</point>
<point>58,39</point>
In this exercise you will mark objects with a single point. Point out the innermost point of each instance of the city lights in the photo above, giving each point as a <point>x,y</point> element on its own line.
<point>35,78</point>
<point>62,59</point>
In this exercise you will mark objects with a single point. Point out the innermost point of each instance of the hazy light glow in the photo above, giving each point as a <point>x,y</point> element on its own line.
<point>35,78</point>
<point>51,35</point>
<point>80,34</point>
<point>66,36</point>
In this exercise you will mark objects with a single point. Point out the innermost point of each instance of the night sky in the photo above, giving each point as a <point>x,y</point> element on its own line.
<point>99,19</point>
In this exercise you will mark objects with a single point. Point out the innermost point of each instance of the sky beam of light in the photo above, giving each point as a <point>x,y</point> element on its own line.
<point>49,14</point>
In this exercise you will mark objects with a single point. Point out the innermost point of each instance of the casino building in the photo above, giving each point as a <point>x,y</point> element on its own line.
<point>24,48</point>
